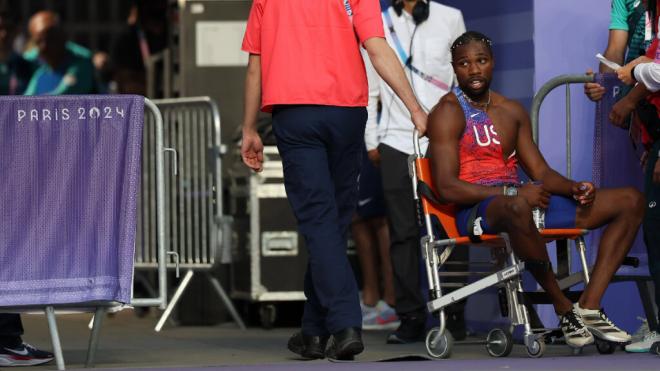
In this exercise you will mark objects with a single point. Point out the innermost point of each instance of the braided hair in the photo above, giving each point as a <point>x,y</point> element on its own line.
<point>469,37</point>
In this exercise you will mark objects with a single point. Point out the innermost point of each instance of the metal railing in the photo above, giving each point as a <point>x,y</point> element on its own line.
<point>540,96</point>
<point>154,150</point>
<point>197,230</point>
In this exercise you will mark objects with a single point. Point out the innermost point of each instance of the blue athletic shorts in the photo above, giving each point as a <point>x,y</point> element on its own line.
<point>371,201</point>
<point>559,214</point>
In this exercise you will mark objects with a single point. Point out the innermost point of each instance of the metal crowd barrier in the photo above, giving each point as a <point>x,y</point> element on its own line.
<point>540,96</point>
<point>152,149</point>
<point>195,226</point>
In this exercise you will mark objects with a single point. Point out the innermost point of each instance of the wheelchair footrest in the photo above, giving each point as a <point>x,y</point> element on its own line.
<point>488,281</point>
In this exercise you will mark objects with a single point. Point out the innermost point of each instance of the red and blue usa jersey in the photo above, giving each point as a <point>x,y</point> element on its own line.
<point>481,157</point>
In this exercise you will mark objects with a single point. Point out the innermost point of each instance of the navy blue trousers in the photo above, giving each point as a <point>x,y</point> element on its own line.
<point>321,149</point>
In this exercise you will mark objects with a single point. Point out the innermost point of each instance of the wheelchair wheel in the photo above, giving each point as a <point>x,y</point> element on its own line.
<point>499,343</point>
<point>537,348</point>
<point>440,348</point>
<point>605,347</point>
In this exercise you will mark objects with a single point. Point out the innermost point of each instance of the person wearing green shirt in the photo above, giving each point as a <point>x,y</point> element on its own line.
<point>65,68</point>
<point>629,37</point>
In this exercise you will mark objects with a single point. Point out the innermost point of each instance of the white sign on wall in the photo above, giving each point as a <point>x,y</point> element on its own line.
<point>218,44</point>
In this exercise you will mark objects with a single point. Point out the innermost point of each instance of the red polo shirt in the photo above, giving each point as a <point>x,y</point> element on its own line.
<point>309,50</point>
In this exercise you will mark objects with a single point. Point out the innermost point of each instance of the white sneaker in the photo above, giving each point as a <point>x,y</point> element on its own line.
<point>601,326</point>
<point>385,318</point>
<point>643,345</point>
<point>641,331</point>
<point>575,332</point>
<point>368,312</point>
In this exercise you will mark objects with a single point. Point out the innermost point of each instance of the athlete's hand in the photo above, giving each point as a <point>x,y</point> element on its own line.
<point>374,157</point>
<point>656,172</point>
<point>252,150</point>
<point>584,193</point>
<point>594,91</point>
<point>535,195</point>
<point>621,112</point>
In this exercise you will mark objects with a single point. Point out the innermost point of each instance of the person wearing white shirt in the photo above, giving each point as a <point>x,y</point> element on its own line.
<point>421,32</point>
<point>649,75</point>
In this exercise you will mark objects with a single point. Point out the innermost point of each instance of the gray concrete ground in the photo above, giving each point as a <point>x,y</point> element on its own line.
<point>131,342</point>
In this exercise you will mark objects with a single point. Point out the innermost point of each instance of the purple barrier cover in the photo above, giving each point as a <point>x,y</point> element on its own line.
<point>616,163</point>
<point>70,170</point>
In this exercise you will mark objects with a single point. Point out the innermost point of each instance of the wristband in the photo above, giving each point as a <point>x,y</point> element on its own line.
<point>632,73</point>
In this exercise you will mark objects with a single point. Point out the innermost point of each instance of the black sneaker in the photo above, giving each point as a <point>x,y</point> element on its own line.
<point>575,332</point>
<point>412,329</point>
<point>24,355</point>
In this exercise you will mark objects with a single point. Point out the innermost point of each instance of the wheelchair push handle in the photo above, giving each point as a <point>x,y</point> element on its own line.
<point>416,146</point>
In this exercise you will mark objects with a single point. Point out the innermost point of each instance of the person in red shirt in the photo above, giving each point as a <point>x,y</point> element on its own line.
<point>306,68</point>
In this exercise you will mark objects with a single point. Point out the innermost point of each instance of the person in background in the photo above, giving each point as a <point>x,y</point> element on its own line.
<point>144,36</point>
<point>15,71</point>
<point>631,32</point>
<point>631,41</point>
<point>372,243</point>
<point>64,68</point>
<point>305,67</point>
<point>645,73</point>
<point>421,32</point>
<point>14,74</point>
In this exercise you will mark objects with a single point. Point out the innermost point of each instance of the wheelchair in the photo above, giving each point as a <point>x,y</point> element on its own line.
<point>435,251</point>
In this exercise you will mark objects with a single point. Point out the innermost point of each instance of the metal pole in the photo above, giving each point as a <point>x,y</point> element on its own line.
<point>55,337</point>
<point>582,249</point>
<point>568,130</point>
<point>545,90</point>
<point>160,202</point>
<point>225,299</point>
<point>175,299</point>
<point>94,337</point>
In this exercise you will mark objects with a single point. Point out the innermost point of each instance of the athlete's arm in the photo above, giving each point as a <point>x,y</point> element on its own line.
<point>531,158</point>
<point>446,125</point>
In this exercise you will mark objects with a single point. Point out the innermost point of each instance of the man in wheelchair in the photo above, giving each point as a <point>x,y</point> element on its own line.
<point>478,138</point>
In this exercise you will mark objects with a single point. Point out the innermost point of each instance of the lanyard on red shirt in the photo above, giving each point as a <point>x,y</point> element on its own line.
<point>349,10</point>
<point>404,56</point>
